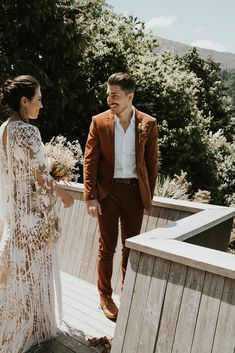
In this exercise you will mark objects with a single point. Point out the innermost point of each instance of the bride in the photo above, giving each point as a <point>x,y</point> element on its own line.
<point>29,273</point>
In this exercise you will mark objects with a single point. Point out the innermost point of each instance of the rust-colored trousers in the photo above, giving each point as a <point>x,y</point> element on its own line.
<point>124,203</point>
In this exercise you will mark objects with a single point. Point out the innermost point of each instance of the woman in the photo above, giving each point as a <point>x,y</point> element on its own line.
<point>29,274</point>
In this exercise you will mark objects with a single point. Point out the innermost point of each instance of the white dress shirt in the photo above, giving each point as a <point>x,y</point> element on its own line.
<point>124,142</point>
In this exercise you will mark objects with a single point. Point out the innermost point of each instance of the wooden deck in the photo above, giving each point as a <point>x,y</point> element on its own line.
<point>82,319</point>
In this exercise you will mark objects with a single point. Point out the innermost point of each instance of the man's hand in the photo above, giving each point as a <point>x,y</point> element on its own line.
<point>93,208</point>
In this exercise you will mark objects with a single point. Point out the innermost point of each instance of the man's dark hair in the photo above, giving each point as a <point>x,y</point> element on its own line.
<point>124,80</point>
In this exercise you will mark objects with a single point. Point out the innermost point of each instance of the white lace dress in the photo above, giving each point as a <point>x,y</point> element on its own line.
<point>29,273</point>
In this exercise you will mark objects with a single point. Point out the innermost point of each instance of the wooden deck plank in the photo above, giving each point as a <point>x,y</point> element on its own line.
<point>208,314</point>
<point>153,309</point>
<point>81,307</point>
<point>69,220</point>
<point>169,318</point>
<point>172,217</point>
<point>140,294</point>
<point>89,252</point>
<point>152,219</point>
<point>162,218</point>
<point>77,246</point>
<point>41,349</point>
<point>127,294</point>
<point>92,268</point>
<point>184,214</point>
<point>226,324</point>
<point>82,319</point>
<point>66,344</point>
<point>116,279</point>
<point>145,221</point>
<point>76,343</point>
<point>188,311</point>
<point>57,347</point>
<point>73,337</point>
<point>63,242</point>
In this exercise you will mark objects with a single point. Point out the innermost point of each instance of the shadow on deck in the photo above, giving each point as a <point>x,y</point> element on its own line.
<point>82,319</point>
<point>75,343</point>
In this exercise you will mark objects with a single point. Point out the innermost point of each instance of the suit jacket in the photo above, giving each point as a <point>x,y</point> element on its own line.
<point>99,156</point>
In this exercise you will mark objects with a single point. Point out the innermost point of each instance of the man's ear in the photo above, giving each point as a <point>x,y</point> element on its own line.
<point>23,100</point>
<point>131,95</point>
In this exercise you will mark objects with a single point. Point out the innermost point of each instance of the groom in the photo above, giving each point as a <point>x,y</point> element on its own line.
<point>120,170</point>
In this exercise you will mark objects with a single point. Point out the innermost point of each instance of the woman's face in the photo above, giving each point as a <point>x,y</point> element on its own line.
<point>32,107</point>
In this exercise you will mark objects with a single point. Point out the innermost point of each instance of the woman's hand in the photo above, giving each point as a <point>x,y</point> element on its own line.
<point>66,198</point>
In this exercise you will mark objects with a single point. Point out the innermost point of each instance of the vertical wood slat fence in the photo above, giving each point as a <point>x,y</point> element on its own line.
<point>179,293</point>
<point>79,243</point>
<point>179,297</point>
<point>177,304</point>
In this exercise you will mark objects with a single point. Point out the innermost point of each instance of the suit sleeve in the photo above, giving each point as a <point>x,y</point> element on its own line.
<point>151,156</point>
<point>91,161</point>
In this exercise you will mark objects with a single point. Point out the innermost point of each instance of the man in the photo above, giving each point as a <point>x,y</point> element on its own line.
<point>120,170</point>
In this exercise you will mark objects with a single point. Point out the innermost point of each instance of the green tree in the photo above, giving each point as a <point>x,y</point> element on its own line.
<point>212,100</point>
<point>224,153</point>
<point>117,42</point>
<point>167,90</point>
<point>47,38</point>
<point>73,46</point>
<point>228,80</point>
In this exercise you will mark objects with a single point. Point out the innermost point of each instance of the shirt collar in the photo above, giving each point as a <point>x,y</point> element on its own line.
<point>116,119</point>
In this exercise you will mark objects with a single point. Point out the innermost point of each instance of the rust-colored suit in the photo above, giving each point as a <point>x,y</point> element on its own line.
<point>118,200</point>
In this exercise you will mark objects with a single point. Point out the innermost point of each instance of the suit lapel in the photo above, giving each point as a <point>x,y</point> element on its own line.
<point>138,120</point>
<point>110,134</point>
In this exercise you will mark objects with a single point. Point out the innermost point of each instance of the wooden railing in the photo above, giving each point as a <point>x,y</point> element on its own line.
<point>207,225</point>
<point>182,299</point>
<point>179,292</point>
<point>179,297</point>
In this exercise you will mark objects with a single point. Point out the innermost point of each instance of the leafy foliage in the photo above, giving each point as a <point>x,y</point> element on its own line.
<point>47,39</point>
<point>211,98</point>
<point>228,80</point>
<point>224,153</point>
<point>176,188</point>
<point>73,46</point>
<point>170,91</point>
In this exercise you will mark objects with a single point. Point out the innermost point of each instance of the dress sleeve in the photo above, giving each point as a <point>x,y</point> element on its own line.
<point>30,148</point>
<point>39,164</point>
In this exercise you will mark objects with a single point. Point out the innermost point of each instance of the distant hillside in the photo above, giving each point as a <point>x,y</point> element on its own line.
<point>227,60</point>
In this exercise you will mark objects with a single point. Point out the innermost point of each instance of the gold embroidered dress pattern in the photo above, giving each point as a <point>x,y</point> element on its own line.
<point>29,273</point>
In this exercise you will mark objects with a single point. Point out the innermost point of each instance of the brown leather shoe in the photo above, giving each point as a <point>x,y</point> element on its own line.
<point>109,307</point>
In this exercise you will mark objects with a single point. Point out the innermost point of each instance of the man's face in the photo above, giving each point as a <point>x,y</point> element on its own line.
<point>118,100</point>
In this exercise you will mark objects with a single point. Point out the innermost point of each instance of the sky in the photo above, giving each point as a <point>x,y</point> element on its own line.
<point>207,24</point>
